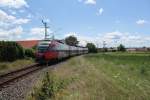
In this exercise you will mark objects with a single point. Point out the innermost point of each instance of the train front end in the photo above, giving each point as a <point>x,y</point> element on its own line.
<point>46,51</point>
<point>42,48</point>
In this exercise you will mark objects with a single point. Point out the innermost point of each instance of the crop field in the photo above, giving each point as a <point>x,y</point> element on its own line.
<point>109,76</point>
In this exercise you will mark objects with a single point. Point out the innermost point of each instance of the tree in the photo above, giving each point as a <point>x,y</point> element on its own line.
<point>91,47</point>
<point>71,40</point>
<point>121,48</point>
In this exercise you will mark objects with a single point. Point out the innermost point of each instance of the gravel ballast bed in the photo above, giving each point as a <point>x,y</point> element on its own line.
<point>19,89</point>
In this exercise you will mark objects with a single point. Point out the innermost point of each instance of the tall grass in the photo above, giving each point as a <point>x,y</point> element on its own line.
<point>131,72</point>
<point>10,66</point>
<point>51,85</point>
<point>110,76</point>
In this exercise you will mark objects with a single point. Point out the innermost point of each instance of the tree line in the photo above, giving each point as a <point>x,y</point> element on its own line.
<point>11,51</point>
<point>72,40</point>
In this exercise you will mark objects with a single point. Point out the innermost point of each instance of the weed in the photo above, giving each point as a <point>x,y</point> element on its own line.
<point>51,85</point>
<point>143,70</point>
<point>3,66</point>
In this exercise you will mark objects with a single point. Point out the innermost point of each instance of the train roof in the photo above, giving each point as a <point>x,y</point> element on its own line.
<point>46,41</point>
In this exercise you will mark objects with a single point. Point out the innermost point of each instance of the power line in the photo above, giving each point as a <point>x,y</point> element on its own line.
<point>40,17</point>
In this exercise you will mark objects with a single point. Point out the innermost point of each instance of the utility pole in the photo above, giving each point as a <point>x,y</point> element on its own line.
<point>45,26</point>
<point>104,45</point>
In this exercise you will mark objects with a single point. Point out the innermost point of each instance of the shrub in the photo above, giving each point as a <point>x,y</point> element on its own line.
<point>29,53</point>
<point>10,51</point>
<point>21,52</point>
<point>121,48</point>
<point>91,47</point>
<point>34,47</point>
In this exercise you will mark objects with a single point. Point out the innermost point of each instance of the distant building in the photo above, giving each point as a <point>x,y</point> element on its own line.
<point>28,43</point>
<point>144,49</point>
<point>131,49</point>
<point>112,49</point>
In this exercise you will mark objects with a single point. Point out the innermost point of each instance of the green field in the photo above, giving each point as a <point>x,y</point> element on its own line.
<point>110,76</point>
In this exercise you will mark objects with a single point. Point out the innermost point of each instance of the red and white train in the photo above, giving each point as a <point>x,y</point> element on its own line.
<point>48,50</point>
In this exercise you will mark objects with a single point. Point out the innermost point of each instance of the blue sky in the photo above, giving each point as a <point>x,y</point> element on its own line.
<point>113,21</point>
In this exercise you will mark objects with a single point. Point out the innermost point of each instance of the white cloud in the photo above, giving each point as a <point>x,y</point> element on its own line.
<point>113,39</point>
<point>93,2</point>
<point>126,38</point>
<point>100,11</point>
<point>9,19</point>
<point>71,34</point>
<point>141,22</point>
<point>21,11</point>
<point>10,26</point>
<point>37,30</point>
<point>5,17</point>
<point>16,31</point>
<point>37,33</point>
<point>11,34</point>
<point>113,35</point>
<point>13,12</point>
<point>13,3</point>
<point>21,21</point>
<point>83,40</point>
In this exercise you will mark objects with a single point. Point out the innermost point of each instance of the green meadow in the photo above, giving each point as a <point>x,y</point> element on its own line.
<point>109,76</point>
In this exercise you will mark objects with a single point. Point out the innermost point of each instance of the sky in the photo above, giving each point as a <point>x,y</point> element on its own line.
<point>116,22</point>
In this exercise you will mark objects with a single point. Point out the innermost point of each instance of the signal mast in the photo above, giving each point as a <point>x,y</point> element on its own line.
<point>46,32</point>
<point>46,27</point>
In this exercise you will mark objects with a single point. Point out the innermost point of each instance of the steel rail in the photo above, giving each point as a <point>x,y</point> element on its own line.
<point>5,79</point>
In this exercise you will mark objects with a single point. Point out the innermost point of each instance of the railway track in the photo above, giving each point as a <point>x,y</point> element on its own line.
<point>5,79</point>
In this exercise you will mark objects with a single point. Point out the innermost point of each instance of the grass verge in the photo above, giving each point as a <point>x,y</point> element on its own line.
<point>6,67</point>
<point>109,76</point>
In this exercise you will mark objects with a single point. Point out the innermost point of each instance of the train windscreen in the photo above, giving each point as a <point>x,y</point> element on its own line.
<point>42,49</point>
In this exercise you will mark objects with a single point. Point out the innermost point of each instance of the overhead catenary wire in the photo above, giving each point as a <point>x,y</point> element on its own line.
<point>36,15</point>
<point>40,17</point>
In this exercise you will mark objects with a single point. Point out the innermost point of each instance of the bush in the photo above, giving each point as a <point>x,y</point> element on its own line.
<point>21,52</point>
<point>34,47</point>
<point>91,47</point>
<point>121,48</point>
<point>29,53</point>
<point>10,51</point>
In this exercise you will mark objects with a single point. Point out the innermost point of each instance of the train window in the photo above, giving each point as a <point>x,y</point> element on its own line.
<point>52,47</point>
<point>42,49</point>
